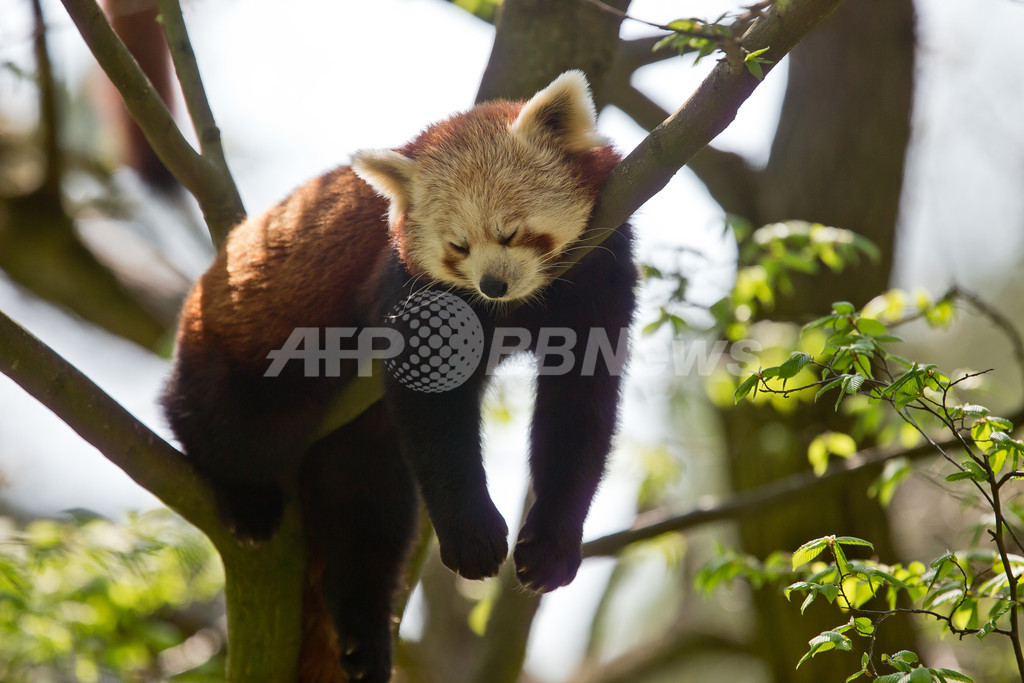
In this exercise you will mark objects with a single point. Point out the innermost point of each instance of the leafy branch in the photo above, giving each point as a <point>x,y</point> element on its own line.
<point>704,37</point>
<point>855,360</point>
<point>946,581</point>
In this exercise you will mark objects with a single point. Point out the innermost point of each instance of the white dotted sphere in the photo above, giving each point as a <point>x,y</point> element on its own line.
<point>444,342</point>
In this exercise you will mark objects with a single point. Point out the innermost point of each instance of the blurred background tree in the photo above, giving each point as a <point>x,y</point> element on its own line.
<point>118,250</point>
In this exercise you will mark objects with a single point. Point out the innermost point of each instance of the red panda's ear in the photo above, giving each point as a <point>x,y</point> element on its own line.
<point>563,111</point>
<point>389,173</point>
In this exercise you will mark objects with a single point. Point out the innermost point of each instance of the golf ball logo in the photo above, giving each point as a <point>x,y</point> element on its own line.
<point>444,342</point>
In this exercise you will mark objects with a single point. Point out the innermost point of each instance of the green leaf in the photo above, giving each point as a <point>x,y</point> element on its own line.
<point>757,53</point>
<point>871,327</point>
<point>830,591</point>
<point>841,562</point>
<point>745,387</point>
<point>948,557</point>
<point>998,610</point>
<point>843,308</point>
<point>798,586</point>
<point>853,540</point>
<point>817,455</point>
<point>794,364</point>
<point>895,472</point>
<point>828,640</point>
<point>943,597</point>
<point>997,458</point>
<point>864,626</point>
<point>808,600</point>
<point>941,314</point>
<point>1001,423</point>
<point>970,410</point>
<point>753,60</point>
<point>977,472</point>
<point>665,42</point>
<point>808,551</point>
<point>905,656</point>
<point>920,675</point>
<point>685,25</point>
<point>954,675</point>
<point>853,383</point>
<point>888,578</point>
<point>652,327</point>
<point>834,383</point>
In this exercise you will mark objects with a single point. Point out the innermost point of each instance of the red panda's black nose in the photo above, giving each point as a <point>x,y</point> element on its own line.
<point>493,287</point>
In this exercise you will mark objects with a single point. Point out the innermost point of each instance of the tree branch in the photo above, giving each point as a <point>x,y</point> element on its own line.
<point>756,500</point>
<point>649,167</point>
<point>198,105</point>
<point>665,654</point>
<point>727,176</point>
<point>269,574</point>
<point>149,460</point>
<point>211,185</point>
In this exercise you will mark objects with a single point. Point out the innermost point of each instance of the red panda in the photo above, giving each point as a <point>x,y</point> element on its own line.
<point>482,206</point>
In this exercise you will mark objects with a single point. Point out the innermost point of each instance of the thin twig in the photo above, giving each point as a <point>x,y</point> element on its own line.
<point>661,27</point>
<point>198,105</point>
<point>758,500</point>
<point>208,182</point>
<point>1000,321</point>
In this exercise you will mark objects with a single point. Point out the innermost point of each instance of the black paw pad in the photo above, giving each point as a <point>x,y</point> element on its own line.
<point>475,545</point>
<point>366,657</point>
<point>545,560</point>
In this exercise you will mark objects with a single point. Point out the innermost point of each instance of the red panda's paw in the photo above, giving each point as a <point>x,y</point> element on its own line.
<point>252,514</point>
<point>545,558</point>
<point>365,650</point>
<point>474,544</point>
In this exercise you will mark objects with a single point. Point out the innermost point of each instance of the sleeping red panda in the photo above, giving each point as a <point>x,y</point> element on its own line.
<point>483,205</point>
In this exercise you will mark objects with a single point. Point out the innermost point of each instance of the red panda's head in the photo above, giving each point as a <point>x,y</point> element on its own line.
<point>490,199</point>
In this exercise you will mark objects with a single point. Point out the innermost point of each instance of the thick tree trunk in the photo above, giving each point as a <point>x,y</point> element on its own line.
<point>539,39</point>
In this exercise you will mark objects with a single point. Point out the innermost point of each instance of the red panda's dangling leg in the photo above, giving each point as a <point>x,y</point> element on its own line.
<point>440,435</point>
<point>575,412</point>
<point>360,505</point>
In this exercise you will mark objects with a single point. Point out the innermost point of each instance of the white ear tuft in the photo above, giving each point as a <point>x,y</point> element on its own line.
<point>389,173</point>
<point>563,111</point>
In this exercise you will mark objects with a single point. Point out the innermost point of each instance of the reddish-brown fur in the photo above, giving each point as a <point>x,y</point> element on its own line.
<point>332,229</point>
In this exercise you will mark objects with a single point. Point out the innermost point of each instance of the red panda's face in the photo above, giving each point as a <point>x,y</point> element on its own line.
<point>494,216</point>
<point>490,200</point>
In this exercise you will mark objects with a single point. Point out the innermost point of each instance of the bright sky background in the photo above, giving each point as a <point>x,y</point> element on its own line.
<point>297,87</point>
